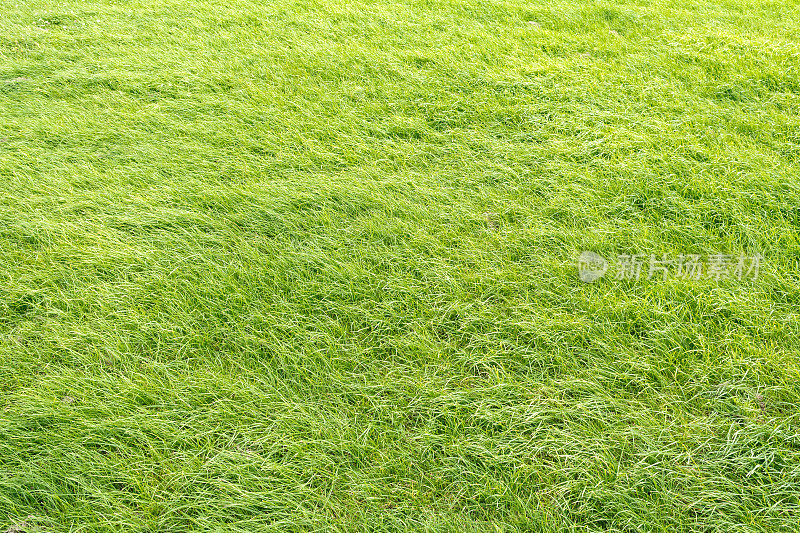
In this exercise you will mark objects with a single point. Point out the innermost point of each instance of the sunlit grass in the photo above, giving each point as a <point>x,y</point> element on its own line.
<point>311,266</point>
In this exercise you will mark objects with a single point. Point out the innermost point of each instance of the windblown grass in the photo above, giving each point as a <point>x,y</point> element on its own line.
<point>309,265</point>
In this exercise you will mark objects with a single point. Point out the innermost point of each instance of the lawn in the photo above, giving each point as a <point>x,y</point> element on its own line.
<point>312,266</point>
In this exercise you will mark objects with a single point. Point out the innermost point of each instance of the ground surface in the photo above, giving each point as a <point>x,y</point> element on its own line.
<point>311,265</point>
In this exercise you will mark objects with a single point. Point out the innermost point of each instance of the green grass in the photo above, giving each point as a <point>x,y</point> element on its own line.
<point>310,265</point>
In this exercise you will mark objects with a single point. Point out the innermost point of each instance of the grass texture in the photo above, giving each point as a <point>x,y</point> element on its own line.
<point>309,265</point>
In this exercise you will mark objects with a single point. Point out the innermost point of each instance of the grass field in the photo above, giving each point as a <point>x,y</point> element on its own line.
<point>311,265</point>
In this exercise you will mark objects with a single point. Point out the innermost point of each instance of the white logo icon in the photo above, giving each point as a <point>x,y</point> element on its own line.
<point>591,266</point>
